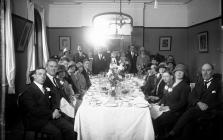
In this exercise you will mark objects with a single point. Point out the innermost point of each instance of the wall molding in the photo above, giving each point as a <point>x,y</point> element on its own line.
<point>198,24</point>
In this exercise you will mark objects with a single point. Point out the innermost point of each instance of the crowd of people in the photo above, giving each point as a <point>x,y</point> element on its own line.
<point>166,83</point>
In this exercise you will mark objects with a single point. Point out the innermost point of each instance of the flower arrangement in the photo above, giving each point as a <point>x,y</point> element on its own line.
<point>115,74</point>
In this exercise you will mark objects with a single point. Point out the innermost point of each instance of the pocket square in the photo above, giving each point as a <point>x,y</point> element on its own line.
<point>213,91</point>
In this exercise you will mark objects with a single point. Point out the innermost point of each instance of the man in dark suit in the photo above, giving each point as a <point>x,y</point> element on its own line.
<point>132,56</point>
<point>54,83</point>
<point>37,112</point>
<point>80,56</point>
<point>204,98</point>
<point>100,62</point>
<point>86,73</point>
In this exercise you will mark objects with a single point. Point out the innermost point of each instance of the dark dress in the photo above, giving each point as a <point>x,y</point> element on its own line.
<point>177,101</point>
<point>154,87</point>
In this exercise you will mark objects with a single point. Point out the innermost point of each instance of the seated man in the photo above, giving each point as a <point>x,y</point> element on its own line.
<point>38,114</point>
<point>54,83</point>
<point>204,98</point>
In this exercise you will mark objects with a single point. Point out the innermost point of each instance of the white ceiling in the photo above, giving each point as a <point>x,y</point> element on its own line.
<point>117,1</point>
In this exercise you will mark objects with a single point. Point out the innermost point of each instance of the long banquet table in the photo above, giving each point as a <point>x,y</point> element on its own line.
<point>125,116</point>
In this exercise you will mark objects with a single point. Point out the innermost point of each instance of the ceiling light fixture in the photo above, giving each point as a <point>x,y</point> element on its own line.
<point>115,24</point>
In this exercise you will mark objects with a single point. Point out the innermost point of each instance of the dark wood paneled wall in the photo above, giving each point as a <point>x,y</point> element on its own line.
<point>184,46</point>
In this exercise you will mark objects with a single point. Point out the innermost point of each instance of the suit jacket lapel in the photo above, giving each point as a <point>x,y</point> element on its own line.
<point>37,89</point>
<point>48,82</point>
<point>212,85</point>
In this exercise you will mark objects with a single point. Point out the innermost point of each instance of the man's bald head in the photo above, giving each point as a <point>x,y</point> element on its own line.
<point>207,71</point>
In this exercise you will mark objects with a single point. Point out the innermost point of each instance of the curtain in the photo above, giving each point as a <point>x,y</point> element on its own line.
<point>2,66</point>
<point>9,44</point>
<point>31,65</point>
<point>44,39</point>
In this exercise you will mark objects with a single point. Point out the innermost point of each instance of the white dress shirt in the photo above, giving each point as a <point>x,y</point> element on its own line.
<point>100,56</point>
<point>51,79</point>
<point>40,87</point>
<point>208,82</point>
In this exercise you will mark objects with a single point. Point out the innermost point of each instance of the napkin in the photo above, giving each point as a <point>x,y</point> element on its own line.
<point>66,108</point>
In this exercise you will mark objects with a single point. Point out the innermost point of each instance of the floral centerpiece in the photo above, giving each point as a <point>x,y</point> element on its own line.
<point>115,74</point>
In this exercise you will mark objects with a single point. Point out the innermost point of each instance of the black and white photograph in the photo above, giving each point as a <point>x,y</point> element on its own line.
<point>111,70</point>
<point>203,41</point>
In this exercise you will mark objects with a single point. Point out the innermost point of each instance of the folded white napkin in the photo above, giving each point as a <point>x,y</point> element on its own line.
<point>155,112</point>
<point>66,108</point>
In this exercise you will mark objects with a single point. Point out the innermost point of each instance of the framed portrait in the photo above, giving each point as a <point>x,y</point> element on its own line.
<point>165,43</point>
<point>203,42</point>
<point>64,42</point>
<point>22,30</point>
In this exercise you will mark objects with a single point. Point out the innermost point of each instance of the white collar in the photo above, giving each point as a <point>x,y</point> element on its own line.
<point>39,86</point>
<point>158,75</point>
<point>209,80</point>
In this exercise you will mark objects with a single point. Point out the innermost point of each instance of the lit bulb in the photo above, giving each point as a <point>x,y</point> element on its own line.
<point>155,4</point>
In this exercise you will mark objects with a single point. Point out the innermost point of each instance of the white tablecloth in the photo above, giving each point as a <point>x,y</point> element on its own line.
<point>128,119</point>
<point>113,123</point>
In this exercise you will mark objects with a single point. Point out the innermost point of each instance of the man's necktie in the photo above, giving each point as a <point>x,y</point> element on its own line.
<point>206,84</point>
<point>43,90</point>
<point>55,82</point>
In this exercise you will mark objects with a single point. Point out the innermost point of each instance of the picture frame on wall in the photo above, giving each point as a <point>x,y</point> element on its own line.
<point>64,42</point>
<point>203,42</point>
<point>165,43</point>
<point>22,30</point>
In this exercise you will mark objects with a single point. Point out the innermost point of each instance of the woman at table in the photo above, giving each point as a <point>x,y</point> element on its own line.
<point>66,86</point>
<point>79,80</point>
<point>174,101</point>
<point>68,99</point>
